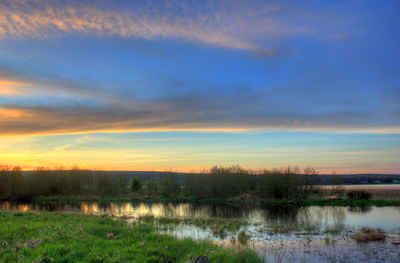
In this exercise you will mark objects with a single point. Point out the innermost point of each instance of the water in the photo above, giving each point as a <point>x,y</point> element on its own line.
<point>386,218</point>
<point>290,246</point>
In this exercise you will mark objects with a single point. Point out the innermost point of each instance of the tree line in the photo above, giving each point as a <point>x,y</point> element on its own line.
<point>218,182</point>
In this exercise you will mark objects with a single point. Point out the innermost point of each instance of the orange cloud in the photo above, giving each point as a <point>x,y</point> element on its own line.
<point>13,114</point>
<point>46,121</point>
<point>9,88</point>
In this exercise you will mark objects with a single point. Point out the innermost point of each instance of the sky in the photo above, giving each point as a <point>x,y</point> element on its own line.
<point>172,85</point>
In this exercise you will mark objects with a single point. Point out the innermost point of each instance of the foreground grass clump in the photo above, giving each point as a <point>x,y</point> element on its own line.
<point>56,237</point>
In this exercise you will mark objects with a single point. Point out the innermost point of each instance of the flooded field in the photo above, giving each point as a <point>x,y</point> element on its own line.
<point>307,234</point>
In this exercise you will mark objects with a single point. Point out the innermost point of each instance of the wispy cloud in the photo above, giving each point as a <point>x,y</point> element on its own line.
<point>14,83</point>
<point>224,113</point>
<point>228,24</point>
<point>42,19</point>
<point>110,110</point>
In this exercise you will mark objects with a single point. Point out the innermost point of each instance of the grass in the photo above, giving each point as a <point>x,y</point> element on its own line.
<point>61,237</point>
<point>334,230</point>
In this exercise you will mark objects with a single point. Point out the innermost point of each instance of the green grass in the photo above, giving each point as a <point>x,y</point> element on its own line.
<point>60,237</point>
<point>334,230</point>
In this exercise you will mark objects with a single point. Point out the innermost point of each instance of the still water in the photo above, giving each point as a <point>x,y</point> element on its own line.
<point>386,218</point>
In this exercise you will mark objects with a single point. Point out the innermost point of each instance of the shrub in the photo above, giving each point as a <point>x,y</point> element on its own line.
<point>150,187</point>
<point>243,237</point>
<point>169,186</point>
<point>288,184</point>
<point>359,195</point>
<point>135,184</point>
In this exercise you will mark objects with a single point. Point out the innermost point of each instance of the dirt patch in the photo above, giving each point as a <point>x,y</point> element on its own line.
<point>369,234</point>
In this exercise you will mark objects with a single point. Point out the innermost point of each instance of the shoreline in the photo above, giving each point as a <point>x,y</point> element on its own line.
<point>235,202</point>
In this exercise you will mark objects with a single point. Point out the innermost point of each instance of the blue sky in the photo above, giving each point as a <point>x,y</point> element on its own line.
<point>262,84</point>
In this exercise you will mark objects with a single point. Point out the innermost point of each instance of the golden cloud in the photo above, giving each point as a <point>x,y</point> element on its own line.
<point>44,121</point>
<point>6,114</point>
<point>9,88</point>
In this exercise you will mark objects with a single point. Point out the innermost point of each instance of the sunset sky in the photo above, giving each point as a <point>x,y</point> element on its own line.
<point>185,85</point>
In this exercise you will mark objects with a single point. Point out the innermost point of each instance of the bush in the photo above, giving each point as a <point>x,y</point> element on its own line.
<point>288,184</point>
<point>169,186</point>
<point>234,181</point>
<point>359,195</point>
<point>243,237</point>
<point>135,184</point>
<point>150,187</point>
<point>220,182</point>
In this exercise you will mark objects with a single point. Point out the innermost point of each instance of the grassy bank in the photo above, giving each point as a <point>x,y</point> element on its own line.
<point>53,237</point>
<point>221,201</point>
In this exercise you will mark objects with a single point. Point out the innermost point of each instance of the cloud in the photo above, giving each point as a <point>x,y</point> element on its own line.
<point>14,113</point>
<point>33,103</point>
<point>236,112</point>
<point>271,53</point>
<point>14,83</point>
<point>78,107</point>
<point>41,19</point>
<point>237,25</point>
<point>9,87</point>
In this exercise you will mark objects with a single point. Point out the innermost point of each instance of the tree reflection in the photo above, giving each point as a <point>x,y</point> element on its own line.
<point>360,209</point>
<point>281,214</point>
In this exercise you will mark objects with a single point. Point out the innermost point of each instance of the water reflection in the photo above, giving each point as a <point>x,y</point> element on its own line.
<point>163,210</point>
<point>15,207</point>
<point>361,209</point>
<point>382,217</point>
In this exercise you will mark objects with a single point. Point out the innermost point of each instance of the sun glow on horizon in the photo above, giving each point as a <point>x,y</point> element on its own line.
<point>198,152</point>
